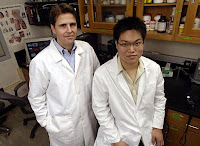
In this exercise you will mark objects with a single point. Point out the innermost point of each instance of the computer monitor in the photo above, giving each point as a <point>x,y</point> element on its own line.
<point>34,45</point>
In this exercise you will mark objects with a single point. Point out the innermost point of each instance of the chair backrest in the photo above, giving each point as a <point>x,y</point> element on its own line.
<point>12,99</point>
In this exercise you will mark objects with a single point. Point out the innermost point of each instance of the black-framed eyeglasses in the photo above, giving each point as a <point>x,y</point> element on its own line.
<point>136,44</point>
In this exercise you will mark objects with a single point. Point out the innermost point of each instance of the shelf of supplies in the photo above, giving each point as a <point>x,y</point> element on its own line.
<point>159,36</point>
<point>160,4</point>
<point>114,5</point>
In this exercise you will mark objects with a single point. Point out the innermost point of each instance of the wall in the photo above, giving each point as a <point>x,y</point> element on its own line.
<point>10,74</point>
<point>186,50</point>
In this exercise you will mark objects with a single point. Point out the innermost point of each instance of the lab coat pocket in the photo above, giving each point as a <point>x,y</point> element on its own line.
<point>61,127</point>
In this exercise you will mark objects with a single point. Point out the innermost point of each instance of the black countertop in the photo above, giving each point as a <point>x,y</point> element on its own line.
<point>176,91</point>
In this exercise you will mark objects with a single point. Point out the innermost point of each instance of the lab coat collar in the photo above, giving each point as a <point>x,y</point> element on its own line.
<point>57,57</point>
<point>122,85</point>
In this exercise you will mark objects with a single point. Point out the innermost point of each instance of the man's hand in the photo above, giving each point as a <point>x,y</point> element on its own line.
<point>157,137</point>
<point>121,143</point>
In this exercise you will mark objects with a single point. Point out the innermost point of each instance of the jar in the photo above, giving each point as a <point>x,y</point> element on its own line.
<point>152,25</point>
<point>183,19</point>
<point>196,22</point>
<point>146,18</point>
<point>157,1</point>
<point>162,24</point>
<point>171,1</point>
<point>119,17</point>
<point>149,1</point>
<point>117,1</point>
<point>106,2</point>
<point>123,2</point>
<point>112,1</point>
<point>156,18</point>
<point>181,28</point>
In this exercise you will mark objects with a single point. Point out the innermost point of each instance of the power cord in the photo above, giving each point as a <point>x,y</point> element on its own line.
<point>184,136</point>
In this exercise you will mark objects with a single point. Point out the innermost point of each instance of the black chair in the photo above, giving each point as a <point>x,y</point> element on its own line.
<point>24,105</point>
<point>3,129</point>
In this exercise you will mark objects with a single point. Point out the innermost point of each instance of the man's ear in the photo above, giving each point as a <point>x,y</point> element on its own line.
<point>53,29</point>
<point>116,44</point>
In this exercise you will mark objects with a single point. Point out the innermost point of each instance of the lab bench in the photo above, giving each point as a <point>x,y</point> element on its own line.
<point>182,120</point>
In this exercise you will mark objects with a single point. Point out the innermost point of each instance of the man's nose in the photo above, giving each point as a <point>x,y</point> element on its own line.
<point>132,48</point>
<point>69,28</point>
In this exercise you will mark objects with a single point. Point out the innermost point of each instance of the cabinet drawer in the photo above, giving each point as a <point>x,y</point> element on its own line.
<point>177,118</point>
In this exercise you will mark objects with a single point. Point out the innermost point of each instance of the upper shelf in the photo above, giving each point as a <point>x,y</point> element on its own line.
<point>161,4</point>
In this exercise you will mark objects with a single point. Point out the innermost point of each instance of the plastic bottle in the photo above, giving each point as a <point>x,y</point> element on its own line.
<point>181,28</point>
<point>162,24</point>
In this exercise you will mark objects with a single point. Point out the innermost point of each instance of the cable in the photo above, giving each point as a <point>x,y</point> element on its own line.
<point>184,136</point>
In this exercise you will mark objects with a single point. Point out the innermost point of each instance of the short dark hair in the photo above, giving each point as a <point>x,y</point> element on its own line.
<point>129,23</point>
<point>59,9</point>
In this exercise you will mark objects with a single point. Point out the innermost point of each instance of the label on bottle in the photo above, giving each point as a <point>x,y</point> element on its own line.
<point>161,26</point>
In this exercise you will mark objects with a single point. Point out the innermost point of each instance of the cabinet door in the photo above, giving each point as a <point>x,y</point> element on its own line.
<point>192,23</point>
<point>173,136</point>
<point>156,9</point>
<point>103,14</point>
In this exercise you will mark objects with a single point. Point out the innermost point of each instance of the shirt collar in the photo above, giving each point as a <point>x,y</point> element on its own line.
<point>61,49</point>
<point>120,67</point>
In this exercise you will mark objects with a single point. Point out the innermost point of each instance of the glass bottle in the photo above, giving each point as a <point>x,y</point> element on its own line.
<point>162,24</point>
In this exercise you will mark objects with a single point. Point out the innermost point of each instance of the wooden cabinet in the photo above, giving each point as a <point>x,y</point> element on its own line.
<point>175,129</point>
<point>100,15</point>
<point>95,13</point>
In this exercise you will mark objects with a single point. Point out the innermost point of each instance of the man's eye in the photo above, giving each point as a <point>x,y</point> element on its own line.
<point>125,44</point>
<point>73,24</point>
<point>138,43</point>
<point>63,25</point>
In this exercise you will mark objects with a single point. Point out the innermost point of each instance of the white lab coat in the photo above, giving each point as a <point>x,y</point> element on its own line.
<point>119,117</point>
<point>60,98</point>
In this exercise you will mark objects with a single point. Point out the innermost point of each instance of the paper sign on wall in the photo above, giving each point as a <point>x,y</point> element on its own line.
<point>14,24</point>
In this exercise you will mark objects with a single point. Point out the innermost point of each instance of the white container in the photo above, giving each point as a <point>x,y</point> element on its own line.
<point>156,18</point>
<point>106,2</point>
<point>147,18</point>
<point>117,1</point>
<point>196,22</point>
<point>119,17</point>
<point>152,25</point>
<point>171,1</point>
<point>111,19</point>
<point>157,1</point>
<point>123,2</point>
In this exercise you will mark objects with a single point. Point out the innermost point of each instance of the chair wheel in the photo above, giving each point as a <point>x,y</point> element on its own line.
<point>32,136</point>
<point>25,122</point>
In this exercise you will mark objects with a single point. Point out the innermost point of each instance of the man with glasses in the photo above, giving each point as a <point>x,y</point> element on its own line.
<point>128,92</point>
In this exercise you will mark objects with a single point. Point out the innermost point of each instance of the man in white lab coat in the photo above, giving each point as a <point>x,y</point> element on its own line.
<point>128,92</point>
<point>61,83</point>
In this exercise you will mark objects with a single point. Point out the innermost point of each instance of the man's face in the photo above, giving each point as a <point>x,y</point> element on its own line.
<point>130,47</point>
<point>65,30</point>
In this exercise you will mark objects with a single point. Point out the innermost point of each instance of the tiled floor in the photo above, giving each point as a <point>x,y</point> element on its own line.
<point>20,134</point>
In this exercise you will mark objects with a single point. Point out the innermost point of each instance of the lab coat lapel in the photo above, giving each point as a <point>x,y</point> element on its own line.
<point>58,58</point>
<point>78,52</point>
<point>119,81</point>
<point>142,82</point>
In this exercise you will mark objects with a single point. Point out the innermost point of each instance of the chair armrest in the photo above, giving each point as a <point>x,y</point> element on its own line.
<point>18,86</point>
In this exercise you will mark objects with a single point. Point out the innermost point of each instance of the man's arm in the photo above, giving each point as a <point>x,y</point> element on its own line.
<point>37,92</point>
<point>102,110</point>
<point>159,111</point>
